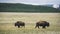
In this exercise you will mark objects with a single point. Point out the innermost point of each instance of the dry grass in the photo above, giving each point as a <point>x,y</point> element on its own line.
<point>7,21</point>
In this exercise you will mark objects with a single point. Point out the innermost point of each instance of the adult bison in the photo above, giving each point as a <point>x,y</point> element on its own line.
<point>42,23</point>
<point>19,23</point>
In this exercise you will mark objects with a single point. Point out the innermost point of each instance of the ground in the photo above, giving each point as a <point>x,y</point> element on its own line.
<point>7,21</point>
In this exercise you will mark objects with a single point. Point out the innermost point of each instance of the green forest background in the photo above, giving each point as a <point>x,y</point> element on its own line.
<point>18,7</point>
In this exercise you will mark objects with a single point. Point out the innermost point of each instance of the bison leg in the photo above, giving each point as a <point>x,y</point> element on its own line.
<point>38,26</point>
<point>18,26</point>
<point>43,27</point>
<point>24,25</point>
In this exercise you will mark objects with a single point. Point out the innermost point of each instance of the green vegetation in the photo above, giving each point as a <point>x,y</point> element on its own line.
<point>10,7</point>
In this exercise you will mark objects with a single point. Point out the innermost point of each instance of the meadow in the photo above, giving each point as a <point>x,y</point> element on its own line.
<point>7,21</point>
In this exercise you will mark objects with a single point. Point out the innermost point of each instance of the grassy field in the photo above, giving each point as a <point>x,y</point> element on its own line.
<point>7,21</point>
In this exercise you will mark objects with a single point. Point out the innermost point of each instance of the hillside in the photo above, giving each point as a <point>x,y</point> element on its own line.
<point>11,7</point>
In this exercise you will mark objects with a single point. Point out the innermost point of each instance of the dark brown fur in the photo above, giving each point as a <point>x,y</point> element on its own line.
<point>42,23</point>
<point>19,23</point>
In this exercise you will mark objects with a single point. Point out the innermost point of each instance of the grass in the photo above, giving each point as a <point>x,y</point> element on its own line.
<point>29,29</point>
<point>7,21</point>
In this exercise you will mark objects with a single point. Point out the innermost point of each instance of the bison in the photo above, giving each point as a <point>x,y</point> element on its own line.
<point>42,23</point>
<point>19,23</point>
